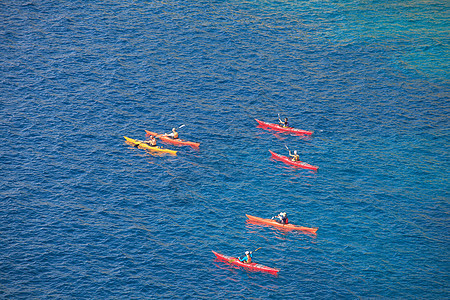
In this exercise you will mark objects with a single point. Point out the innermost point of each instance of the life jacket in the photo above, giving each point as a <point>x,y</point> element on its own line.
<point>249,259</point>
<point>175,135</point>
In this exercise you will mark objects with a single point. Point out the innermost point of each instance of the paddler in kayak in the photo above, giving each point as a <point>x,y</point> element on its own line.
<point>247,259</point>
<point>284,123</point>
<point>295,156</point>
<point>281,218</point>
<point>151,141</point>
<point>173,134</point>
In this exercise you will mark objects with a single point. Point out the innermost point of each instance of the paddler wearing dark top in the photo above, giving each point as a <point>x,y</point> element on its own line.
<point>173,134</point>
<point>295,156</point>
<point>284,123</point>
<point>281,218</point>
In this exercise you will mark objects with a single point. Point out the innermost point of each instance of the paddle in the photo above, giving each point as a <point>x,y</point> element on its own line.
<point>282,123</point>
<point>231,260</point>
<point>290,153</point>
<point>144,142</point>
<point>136,143</point>
<point>181,126</point>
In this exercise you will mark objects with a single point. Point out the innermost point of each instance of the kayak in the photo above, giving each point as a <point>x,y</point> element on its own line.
<point>251,266</point>
<point>284,226</point>
<point>142,145</point>
<point>168,139</point>
<point>288,160</point>
<point>284,129</point>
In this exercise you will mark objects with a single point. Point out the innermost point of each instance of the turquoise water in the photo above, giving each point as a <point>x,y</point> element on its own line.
<point>85,215</point>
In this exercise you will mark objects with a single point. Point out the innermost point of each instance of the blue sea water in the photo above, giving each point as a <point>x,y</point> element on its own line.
<point>86,216</point>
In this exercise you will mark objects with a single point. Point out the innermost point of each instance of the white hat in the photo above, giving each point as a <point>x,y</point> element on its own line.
<point>246,252</point>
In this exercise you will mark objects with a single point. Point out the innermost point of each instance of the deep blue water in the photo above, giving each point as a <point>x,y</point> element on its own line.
<point>83,215</point>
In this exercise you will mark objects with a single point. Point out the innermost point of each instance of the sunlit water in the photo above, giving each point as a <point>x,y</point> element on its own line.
<point>85,215</point>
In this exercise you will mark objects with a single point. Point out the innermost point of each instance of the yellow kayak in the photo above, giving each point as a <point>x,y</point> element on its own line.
<point>143,145</point>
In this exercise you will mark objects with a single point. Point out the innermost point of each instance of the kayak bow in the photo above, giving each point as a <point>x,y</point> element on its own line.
<point>167,139</point>
<point>252,266</point>
<point>142,145</point>
<point>289,161</point>
<point>283,226</point>
<point>266,125</point>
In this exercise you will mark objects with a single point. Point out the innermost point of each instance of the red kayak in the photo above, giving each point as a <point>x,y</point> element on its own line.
<point>168,139</point>
<point>251,266</point>
<point>281,128</point>
<point>283,226</point>
<point>289,161</point>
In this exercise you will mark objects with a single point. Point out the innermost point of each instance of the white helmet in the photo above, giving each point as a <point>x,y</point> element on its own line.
<point>247,252</point>
<point>295,152</point>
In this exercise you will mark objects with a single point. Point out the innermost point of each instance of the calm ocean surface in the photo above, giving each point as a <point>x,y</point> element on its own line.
<point>86,216</point>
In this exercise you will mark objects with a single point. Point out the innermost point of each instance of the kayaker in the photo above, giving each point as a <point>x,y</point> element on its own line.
<point>247,259</point>
<point>284,123</point>
<point>295,156</point>
<point>281,218</point>
<point>173,134</point>
<point>151,141</point>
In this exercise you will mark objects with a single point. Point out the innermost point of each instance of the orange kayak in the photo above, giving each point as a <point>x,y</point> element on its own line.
<point>168,139</point>
<point>289,161</point>
<point>283,226</point>
<point>277,127</point>
<point>251,266</point>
